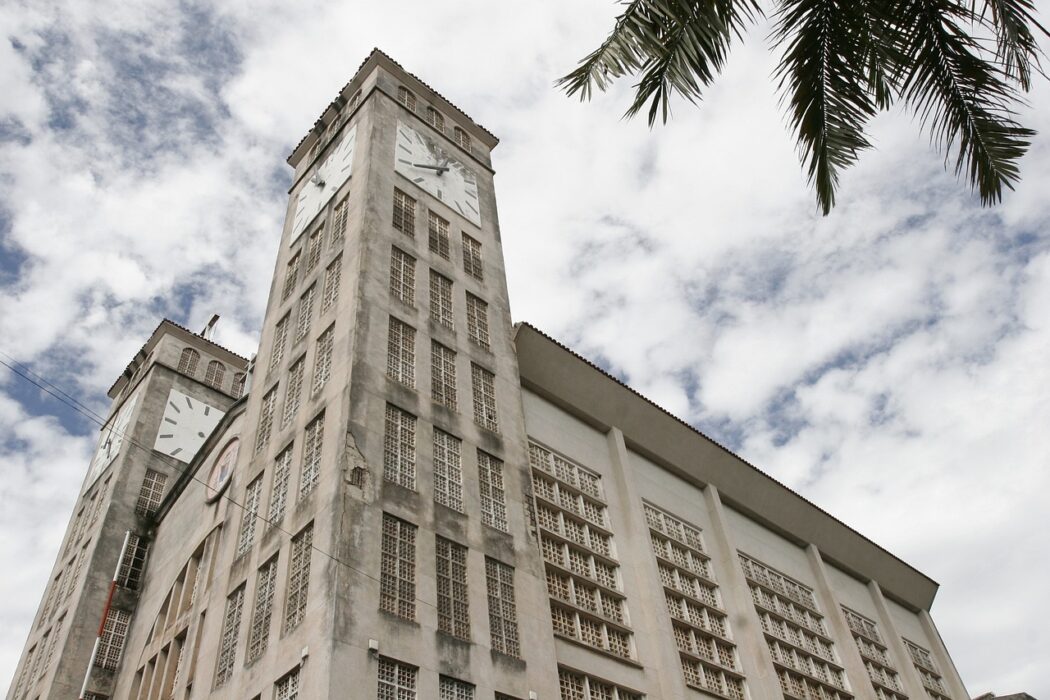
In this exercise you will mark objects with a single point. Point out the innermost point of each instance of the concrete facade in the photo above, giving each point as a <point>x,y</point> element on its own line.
<point>549,535</point>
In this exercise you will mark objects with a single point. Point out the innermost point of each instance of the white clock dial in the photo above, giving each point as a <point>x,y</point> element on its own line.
<point>422,161</point>
<point>325,181</point>
<point>112,438</point>
<point>186,425</point>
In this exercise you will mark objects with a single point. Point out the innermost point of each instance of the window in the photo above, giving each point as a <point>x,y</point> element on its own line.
<point>477,321</point>
<point>129,573</point>
<point>26,672</point>
<point>483,385</point>
<point>111,642</point>
<point>313,439</point>
<point>404,213</point>
<point>314,246</point>
<point>929,674</point>
<point>294,391</point>
<point>397,580</point>
<point>397,681</point>
<point>472,258</point>
<point>437,228</point>
<point>231,629</point>
<point>269,406</point>
<point>306,310</point>
<point>188,361</point>
<point>577,686</point>
<point>441,300</point>
<point>399,447</point>
<point>150,493</point>
<point>237,388</point>
<point>215,373</point>
<point>280,338</point>
<point>259,632</point>
<point>291,276</point>
<point>288,687</point>
<point>406,97</point>
<point>323,359</point>
<point>331,284</point>
<point>339,220</point>
<point>249,515</point>
<point>298,577</point>
<point>453,612</point>
<point>490,482</point>
<point>448,472</point>
<point>503,617</point>
<point>435,119</point>
<point>452,689</point>
<point>279,491</point>
<point>402,276</point>
<point>443,375</point>
<point>52,641</point>
<point>461,138</point>
<point>401,352</point>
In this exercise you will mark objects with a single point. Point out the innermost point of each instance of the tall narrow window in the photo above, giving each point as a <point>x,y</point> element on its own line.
<point>399,447</point>
<point>259,632</point>
<point>401,352</point>
<point>288,687</point>
<point>237,387</point>
<point>231,630</point>
<point>483,385</point>
<point>493,499</point>
<point>26,671</point>
<point>404,213</point>
<point>298,577</point>
<point>129,573</point>
<point>452,689</point>
<point>435,119</point>
<point>52,642</point>
<point>339,220</point>
<point>306,311</point>
<point>249,515</point>
<point>269,406</point>
<point>448,472</point>
<point>188,361</point>
<point>397,581</point>
<point>314,246</point>
<point>313,439</point>
<point>478,321</point>
<point>503,616</point>
<point>472,258</point>
<point>215,374</point>
<point>451,569</point>
<point>150,493</point>
<point>291,276</point>
<point>332,277</point>
<point>323,359</point>
<point>437,230</point>
<point>279,491</point>
<point>77,568</point>
<point>294,392</point>
<point>441,300</point>
<point>397,681</point>
<point>111,642</point>
<point>443,375</point>
<point>402,276</point>
<point>406,97</point>
<point>461,138</point>
<point>280,339</point>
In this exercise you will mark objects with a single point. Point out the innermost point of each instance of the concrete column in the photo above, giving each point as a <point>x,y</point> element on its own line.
<point>940,653</point>
<point>736,596</point>
<point>908,673</point>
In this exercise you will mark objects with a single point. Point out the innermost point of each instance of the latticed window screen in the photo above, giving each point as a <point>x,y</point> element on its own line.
<point>478,321</point>
<point>266,412</point>
<point>151,492</point>
<point>402,276</point>
<point>397,681</point>
<point>288,687</point>
<point>399,447</point>
<point>404,213</point>
<point>332,276</point>
<point>314,246</point>
<point>435,119</point>
<point>483,387</point>
<point>452,689</point>
<point>503,615</point>
<point>231,630</point>
<point>884,678</point>
<point>578,686</point>
<point>448,470</point>
<point>262,613</point>
<point>406,97</point>
<point>237,386</point>
<point>99,499</point>
<point>294,391</point>
<point>291,277</point>
<point>313,441</point>
<point>929,674</point>
<point>401,352</point>
<point>298,577</point>
<point>72,581</point>
<point>397,582</point>
<point>437,235</point>
<point>443,375</point>
<point>493,497</point>
<point>279,490</point>
<point>306,312</point>
<point>451,569</point>
<point>249,516</point>
<point>323,359</point>
<point>215,374</point>
<point>52,641</point>
<point>188,361</point>
<point>472,257</point>
<point>280,339</point>
<point>339,219</point>
<point>441,300</point>
<point>461,138</point>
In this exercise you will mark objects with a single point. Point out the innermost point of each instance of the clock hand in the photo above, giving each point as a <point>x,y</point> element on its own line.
<point>439,168</point>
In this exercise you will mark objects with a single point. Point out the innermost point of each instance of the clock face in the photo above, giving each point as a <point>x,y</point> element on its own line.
<point>222,469</point>
<point>186,424</point>
<point>328,177</point>
<point>112,438</point>
<point>422,161</point>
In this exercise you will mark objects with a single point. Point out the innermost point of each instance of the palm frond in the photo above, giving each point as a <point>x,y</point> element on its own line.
<point>618,55</point>
<point>1016,49</point>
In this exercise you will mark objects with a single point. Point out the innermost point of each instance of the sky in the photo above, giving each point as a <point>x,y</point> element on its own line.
<point>889,361</point>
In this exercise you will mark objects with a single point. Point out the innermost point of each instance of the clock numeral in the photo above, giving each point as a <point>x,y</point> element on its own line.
<point>472,207</point>
<point>418,179</point>
<point>189,403</point>
<point>176,451</point>
<point>170,420</point>
<point>405,148</point>
<point>166,436</point>
<point>174,407</point>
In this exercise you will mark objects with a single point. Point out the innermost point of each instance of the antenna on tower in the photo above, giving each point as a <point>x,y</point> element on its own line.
<point>210,328</point>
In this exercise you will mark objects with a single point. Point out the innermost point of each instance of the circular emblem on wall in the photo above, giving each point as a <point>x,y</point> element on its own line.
<point>222,470</point>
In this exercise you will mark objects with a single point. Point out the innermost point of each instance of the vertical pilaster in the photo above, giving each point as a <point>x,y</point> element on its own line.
<point>944,661</point>
<point>905,667</point>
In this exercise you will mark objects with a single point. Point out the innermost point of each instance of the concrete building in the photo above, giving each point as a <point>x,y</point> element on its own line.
<point>416,499</point>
